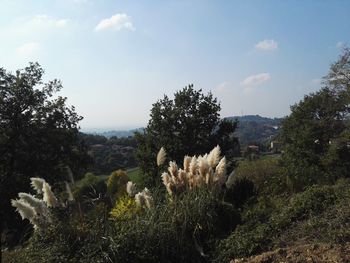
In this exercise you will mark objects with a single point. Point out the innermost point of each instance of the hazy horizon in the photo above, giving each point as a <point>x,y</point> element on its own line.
<point>116,58</point>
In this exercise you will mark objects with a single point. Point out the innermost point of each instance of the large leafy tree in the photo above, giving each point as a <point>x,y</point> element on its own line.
<point>316,134</point>
<point>38,135</point>
<point>189,124</point>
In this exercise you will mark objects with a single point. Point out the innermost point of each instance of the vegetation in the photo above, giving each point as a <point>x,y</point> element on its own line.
<point>315,135</point>
<point>38,137</point>
<point>189,124</point>
<point>257,130</point>
<point>194,211</point>
<point>109,154</point>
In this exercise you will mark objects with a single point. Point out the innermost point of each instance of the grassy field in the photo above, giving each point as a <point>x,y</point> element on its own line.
<point>134,175</point>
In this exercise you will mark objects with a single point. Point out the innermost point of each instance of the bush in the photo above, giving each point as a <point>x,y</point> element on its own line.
<point>89,187</point>
<point>116,183</point>
<point>124,208</point>
<point>266,223</point>
<point>240,191</point>
<point>266,174</point>
<point>182,230</point>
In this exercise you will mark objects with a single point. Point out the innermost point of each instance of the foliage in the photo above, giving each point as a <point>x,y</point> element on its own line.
<point>38,136</point>
<point>257,130</point>
<point>125,207</point>
<point>116,184</point>
<point>182,230</point>
<point>189,124</point>
<point>110,154</point>
<point>265,173</point>
<point>269,223</point>
<point>240,191</point>
<point>317,122</point>
<point>91,186</point>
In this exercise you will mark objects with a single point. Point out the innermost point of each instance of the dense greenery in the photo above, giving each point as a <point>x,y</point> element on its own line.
<point>300,197</point>
<point>257,130</point>
<point>110,154</point>
<point>38,137</point>
<point>316,134</point>
<point>189,124</point>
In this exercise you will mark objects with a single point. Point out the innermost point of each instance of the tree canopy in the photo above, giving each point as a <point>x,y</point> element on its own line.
<point>38,134</point>
<point>189,124</point>
<point>316,134</point>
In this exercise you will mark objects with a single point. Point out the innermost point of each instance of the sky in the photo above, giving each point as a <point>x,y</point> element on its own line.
<point>117,58</point>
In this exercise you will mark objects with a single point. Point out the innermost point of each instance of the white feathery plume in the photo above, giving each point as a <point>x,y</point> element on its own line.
<point>161,156</point>
<point>148,198</point>
<point>37,184</point>
<point>69,192</point>
<point>49,197</point>
<point>203,166</point>
<point>193,165</point>
<point>166,178</point>
<point>140,199</point>
<point>182,175</point>
<point>37,204</point>
<point>187,162</point>
<point>172,169</point>
<point>24,209</point>
<point>221,168</point>
<point>131,189</point>
<point>144,198</point>
<point>146,191</point>
<point>214,156</point>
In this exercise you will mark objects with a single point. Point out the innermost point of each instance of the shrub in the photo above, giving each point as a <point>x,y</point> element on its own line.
<point>183,229</point>
<point>124,208</point>
<point>266,174</point>
<point>240,191</point>
<point>90,186</point>
<point>116,184</point>
<point>266,223</point>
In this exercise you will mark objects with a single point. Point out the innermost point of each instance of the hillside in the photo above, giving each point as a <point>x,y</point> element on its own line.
<point>255,129</point>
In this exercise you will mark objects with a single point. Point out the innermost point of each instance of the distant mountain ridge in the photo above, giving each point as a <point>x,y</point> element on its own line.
<point>117,133</point>
<point>252,129</point>
<point>255,129</point>
<point>256,118</point>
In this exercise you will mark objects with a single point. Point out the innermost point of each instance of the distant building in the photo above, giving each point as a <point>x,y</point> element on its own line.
<point>253,148</point>
<point>275,146</point>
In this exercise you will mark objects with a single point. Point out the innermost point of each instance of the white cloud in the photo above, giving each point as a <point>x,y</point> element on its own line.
<point>267,45</point>
<point>28,49</point>
<point>340,45</point>
<point>116,22</point>
<point>48,21</point>
<point>255,80</point>
<point>224,86</point>
<point>316,82</point>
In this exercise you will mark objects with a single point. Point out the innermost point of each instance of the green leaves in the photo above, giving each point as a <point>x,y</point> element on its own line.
<point>189,124</point>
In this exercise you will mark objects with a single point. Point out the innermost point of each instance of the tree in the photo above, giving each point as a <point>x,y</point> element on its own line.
<point>316,134</point>
<point>38,135</point>
<point>189,124</point>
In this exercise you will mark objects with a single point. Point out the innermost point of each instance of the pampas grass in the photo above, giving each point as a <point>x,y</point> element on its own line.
<point>161,156</point>
<point>25,210</point>
<point>144,199</point>
<point>49,197</point>
<point>34,209</point>
<point>37,204</point>
<point>37,184</point>
<point>208,171</point>
<point>131,189</point>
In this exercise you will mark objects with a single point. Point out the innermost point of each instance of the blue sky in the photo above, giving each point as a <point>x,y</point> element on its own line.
<point>116,58</point>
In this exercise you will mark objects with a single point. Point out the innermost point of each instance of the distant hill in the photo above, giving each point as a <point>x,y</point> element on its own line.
<point>116,133</point>
<point>252,129</point>
<point>255,129</point>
